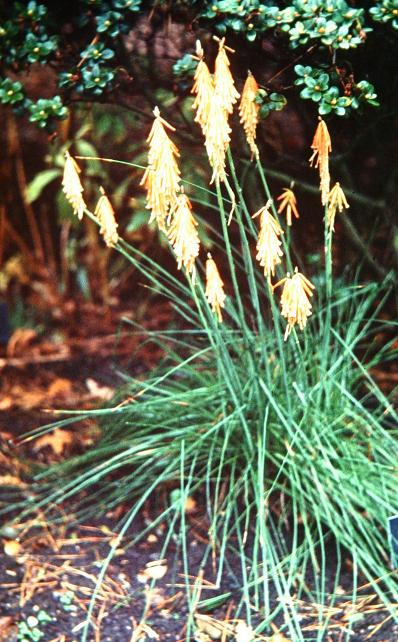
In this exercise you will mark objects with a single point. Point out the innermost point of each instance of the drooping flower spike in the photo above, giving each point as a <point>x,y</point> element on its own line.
<point>183,234</point>
<point>214,287</point>
<point>106,216</point>
<point>288,202</point>
<point>162,176</point>
<point>268,246</point>
<point>322,146</point>
<point>203,88</point>
<point>295,303</point>
<point>72,186</point>
<point>248,112</point>
<point>336,203</point>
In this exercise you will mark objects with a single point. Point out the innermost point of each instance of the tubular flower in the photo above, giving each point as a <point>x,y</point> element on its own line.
<point>162,176</point>
<point>288,202</point>
<point>72,186</point>
<point>269,244</point>
<point>223,81</point>
<point>217,138</point>
<point>183,234</point>
<point>203,87</point>
<point>336,202</point>
<point>322,146</point>
<point>214,287</point>
<point>295,304</point>
<point>106,216</point>
<point>248,112</point>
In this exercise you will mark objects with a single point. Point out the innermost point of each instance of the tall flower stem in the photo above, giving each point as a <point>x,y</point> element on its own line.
<point>328,237</point>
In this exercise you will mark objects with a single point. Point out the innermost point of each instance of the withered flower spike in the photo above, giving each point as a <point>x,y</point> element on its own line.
<point>322,146</point>
<point>106,216</point>
<point>72,186</point>
<point>214,287</point>
<point>288,203</point>
<point>248,112</point>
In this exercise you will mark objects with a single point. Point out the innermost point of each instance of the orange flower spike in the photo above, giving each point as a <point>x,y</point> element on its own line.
<point>72,186</point>
<point>217,138</point>
<point>203,87</point>
<point>223,80</point>
<point>336,203</point>
<point>322,146</point>
<point>268,246</point>
<point>248,112</point>
<point>214,287</point>
<point>106,216</point>
<point>295,303</point>
<point>288,203</point>
<point>183,234</point>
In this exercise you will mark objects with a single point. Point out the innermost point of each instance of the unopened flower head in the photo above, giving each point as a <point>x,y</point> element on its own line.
<point>295,303</point>
<point>214,287</point>
<point>72,186</point>
<point>269,244</point>
<point>288,202</point>
<point>223,81</point>
<point>183,234</point>
<point>248,111</point>
<point>203,87</point>
<point>106,216</point>
<point>337,202</point>
<point>322,146</point>
<point>162,176</point>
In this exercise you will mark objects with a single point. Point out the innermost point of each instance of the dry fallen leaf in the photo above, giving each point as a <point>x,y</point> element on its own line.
<point>243,632</point>
<point>99,392</point>
<point>11,480</point>
<point>11,547</point>
<point>20,340</point>
<point>56,440</point>
<point>8,629</point>
<point>60,388</point>
<point>152,571</point>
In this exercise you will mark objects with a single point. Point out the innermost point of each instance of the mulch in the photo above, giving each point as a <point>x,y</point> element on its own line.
<point>54,566</point>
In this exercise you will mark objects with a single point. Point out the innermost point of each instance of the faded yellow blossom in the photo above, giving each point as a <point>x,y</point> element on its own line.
<point>183,234</point>
<point>217,139</point>
<point>106,216</point>
<point>214,287</point>
<point>322,146</point>
<point>72,186</point>
<point>162,176</point>
<point>336,203</point>
<point>203,87</point>
<point>248,111</point>
<point>295,303</point>
<point>223,80</point>
<point>288,202</point>
<point>269,244</point>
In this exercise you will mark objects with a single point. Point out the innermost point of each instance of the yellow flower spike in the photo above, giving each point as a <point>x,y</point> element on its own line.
<point>183,234</point>
<point>248,112</point>
<point>336,203</point>
<point>72,186</point>
<point>295,303</point>
<point>223,80</point>
<point>162,176</point>
<point>288,203</point>
<point>106,216</point>
<point>214,287</point>
<point>269,244</point>
<point>203,87</point>
<point>217,139</point>
<point>322,146</point>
